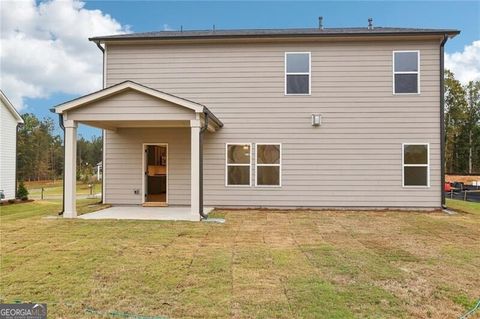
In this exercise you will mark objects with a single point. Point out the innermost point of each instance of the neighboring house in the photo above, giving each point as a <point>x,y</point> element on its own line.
<point>9,121</point>
<point>348,117</point>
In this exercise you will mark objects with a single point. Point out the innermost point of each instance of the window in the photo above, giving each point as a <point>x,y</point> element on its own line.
<point>238,164</point>
<point>297,73</point>
<point>268,162</point>
<point>416,166</point>
<point>406,72</point>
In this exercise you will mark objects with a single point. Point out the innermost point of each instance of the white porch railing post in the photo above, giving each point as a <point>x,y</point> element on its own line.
<point>195,168</point>
<point>70,169</point>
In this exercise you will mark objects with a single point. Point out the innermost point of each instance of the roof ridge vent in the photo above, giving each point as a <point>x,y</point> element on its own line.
<point>370,24</point>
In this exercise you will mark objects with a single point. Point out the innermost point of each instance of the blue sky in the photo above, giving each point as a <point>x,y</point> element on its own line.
<point>155,15</point>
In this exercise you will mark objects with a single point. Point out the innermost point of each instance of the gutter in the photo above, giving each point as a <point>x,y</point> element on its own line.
<point>200,163</point>
<point>442,119</point>
<point>60,122</point>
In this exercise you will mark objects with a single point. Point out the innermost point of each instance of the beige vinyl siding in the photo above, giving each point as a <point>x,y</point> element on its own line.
<point>353,159</point>
<point>131,105</point>
<point>124,169</point>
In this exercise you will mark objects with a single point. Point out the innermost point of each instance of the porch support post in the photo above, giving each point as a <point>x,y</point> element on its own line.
<point>70,169</point>
<point>195,168</point>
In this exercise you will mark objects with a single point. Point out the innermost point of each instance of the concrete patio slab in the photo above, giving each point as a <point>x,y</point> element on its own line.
<point>145,213</point>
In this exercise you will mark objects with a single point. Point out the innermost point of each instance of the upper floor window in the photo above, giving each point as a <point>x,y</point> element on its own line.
<point>297,73</point>
<point>406,72</point>
<point>416,165</point>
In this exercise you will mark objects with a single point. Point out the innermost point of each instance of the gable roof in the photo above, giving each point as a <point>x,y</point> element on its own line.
<point>269,33</point>
<point>131,85</point>
<point>10,107</point>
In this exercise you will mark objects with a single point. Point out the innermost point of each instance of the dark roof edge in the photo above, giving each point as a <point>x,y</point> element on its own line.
<point>450,33</point>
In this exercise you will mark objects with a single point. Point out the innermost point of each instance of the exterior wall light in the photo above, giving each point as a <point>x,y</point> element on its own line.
<point>316,120</point>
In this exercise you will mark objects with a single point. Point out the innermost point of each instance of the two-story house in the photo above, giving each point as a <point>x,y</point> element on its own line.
<point>314,118</point>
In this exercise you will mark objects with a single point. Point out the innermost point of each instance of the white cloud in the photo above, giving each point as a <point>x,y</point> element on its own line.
<point>45,48</point>
<point>465,65</point>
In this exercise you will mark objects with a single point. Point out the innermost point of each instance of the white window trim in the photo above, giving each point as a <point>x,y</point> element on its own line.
<point>279,165</point>
<point>249,165</point>
<point>299,73</point>
<point>406,72</point>
<point>416,165</point>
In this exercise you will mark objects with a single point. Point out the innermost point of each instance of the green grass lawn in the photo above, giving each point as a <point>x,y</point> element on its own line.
<point>44,208</point>
<point>259,264</point>
<point>464,206</point>
<point>54,189</point>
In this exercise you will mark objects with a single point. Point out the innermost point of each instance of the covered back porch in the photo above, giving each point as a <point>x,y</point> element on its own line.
<point>152,146</point>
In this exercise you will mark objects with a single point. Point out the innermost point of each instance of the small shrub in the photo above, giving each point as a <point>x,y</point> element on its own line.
<point>11,201</point>
<point>22,191</point>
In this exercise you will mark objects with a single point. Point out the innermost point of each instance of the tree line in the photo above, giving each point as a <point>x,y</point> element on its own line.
<point>462,126</point>
<point>40,151</point>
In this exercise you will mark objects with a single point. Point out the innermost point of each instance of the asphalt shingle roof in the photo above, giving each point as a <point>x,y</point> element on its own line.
<point>246,33</point>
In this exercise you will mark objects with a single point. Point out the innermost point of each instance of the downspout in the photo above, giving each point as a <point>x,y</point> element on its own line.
<point>60,122</point>
<point>202,131</point>
<point>442,119</point>
<point>103,131</point>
